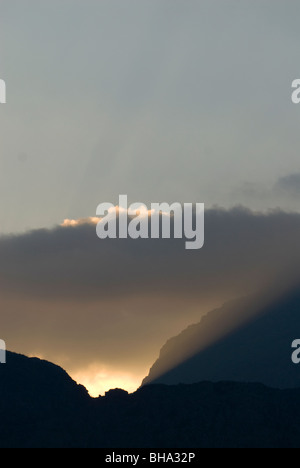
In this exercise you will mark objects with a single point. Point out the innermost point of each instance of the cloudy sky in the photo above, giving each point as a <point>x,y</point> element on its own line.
<point>103,309</point>
<point>162,100</point>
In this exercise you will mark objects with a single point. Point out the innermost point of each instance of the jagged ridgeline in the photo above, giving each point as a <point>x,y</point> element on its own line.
<point>41,406</point>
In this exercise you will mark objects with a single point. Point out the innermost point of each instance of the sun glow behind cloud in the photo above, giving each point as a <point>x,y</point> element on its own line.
<point>79,222</point>
<point>140,211</point>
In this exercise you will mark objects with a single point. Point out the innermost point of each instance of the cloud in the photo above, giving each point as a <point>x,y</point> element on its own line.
<point>87,303</point>
<point>289,185</point>
<point>242,248</point>
<point>283,193</point>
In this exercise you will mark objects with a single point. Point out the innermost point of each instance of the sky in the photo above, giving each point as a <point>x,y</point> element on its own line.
<point>165,101</point>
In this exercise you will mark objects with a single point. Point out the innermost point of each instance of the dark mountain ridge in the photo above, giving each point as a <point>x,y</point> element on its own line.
<point>41,406</point>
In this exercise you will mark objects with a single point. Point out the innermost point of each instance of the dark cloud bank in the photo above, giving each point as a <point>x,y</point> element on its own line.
<point>76,299</point>
<point>242,249</point>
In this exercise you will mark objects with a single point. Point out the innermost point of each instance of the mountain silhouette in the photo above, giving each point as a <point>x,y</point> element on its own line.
<point>41,407</point>
<point>247,340</point>
<point>37,399</point>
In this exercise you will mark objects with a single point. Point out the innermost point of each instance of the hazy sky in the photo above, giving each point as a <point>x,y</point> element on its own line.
<point>173,100</point>
<point>162,100</point>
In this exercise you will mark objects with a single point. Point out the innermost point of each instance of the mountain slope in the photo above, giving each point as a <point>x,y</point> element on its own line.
<point>36,399</point>
<point>245,341</point>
